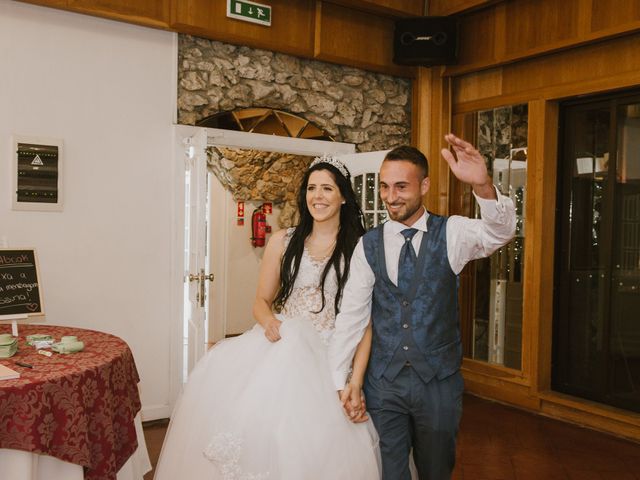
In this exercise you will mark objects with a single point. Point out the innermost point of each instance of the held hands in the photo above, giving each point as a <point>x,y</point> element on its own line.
<point>353,403</point>
<point>272,330</point>
<point>468,166</point>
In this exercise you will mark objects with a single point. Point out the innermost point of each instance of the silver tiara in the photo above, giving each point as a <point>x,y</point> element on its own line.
<point>333,161</point>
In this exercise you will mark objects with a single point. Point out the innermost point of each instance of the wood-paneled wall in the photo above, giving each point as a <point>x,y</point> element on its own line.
<point>394,8</point>
<point>356,33</point>
<point>432,100</point>
<point>150,13</point>
<point>450,7</point>
<point>586,47</point>
<point>510,31</point>
<point>291,30</point>
<point>593,68</point>
<point>356,38</point>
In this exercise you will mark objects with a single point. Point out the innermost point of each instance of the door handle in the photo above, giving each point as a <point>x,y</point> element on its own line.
<point>201,278</point>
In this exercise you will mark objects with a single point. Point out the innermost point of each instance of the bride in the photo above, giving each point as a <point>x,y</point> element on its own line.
<point>263,405</point>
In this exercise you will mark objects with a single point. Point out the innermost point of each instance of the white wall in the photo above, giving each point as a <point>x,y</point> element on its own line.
<point>244,267</point>
<point>107,89</point>
<point>235,261</point>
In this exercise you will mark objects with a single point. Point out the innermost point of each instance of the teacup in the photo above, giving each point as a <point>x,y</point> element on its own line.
<point>68,347</point>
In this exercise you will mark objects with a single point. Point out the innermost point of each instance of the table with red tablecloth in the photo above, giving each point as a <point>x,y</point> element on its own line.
<point>78,407</point>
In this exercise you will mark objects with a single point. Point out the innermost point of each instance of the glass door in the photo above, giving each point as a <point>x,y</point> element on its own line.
<point>596,344</point>
<point>492,287</point>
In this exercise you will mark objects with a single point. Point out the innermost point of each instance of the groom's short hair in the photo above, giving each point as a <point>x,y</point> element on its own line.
<point>410,154</point>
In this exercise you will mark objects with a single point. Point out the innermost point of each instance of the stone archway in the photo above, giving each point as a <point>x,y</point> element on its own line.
<point>370,110</point>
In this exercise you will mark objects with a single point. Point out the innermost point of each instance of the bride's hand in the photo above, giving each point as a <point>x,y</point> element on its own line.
<point>353,403</point>
<point>272,330</point>
<point>362,408</point>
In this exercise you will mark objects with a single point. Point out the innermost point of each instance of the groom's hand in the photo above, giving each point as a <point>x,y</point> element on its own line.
<point>353,403</point>
<point>469,166</point>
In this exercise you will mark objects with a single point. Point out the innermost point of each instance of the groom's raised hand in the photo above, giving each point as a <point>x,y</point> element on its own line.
<point>468,165</point>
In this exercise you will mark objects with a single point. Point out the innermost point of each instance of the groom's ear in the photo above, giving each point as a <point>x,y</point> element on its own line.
<point>424,186</point>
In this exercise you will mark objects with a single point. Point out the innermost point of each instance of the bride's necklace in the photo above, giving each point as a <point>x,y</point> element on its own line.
<point>320,252</point>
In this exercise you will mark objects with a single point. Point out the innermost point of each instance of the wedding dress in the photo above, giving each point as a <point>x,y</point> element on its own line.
<point>256,410</point>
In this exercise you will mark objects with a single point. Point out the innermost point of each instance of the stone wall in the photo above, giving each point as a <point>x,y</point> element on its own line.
<point>261,176</point>
<point>369,109</point>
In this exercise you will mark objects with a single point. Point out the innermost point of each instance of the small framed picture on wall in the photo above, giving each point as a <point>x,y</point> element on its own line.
<point>37,173</point>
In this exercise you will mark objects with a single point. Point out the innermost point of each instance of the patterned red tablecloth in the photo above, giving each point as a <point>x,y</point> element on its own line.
<point>77,407</point>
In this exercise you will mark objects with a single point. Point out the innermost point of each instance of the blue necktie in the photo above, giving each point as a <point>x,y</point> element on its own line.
<point>407,260</point>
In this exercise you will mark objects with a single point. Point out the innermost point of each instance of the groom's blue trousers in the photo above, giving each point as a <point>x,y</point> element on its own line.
<point>409,413</point>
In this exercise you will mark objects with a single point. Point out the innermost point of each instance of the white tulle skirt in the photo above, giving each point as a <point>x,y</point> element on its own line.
<point>256,410</point>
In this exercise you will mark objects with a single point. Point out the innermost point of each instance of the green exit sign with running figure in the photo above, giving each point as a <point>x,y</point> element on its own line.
<point>249,11</point>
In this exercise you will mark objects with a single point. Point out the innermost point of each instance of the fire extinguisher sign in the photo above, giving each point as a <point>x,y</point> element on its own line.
<point>240,214</point>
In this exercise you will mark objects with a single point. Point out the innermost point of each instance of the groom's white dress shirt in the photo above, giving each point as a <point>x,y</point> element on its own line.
<point>467,239</point>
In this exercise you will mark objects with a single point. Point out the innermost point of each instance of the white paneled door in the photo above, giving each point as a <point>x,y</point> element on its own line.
<point>192,146</point>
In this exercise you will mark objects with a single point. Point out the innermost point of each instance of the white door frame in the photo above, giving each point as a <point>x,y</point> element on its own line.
<point>222,138</point>
<point>359,163</point>
<point>273,143</point>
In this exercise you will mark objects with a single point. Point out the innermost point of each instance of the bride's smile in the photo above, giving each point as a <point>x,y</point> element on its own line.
<point>323,196</point>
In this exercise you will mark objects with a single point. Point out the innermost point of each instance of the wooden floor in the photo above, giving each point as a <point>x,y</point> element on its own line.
<point>502,443</point>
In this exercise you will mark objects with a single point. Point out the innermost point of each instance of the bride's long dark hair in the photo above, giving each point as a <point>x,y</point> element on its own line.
<point>350,230</point>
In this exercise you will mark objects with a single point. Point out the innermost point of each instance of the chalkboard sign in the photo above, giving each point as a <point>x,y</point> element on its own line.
<point>19,286</point>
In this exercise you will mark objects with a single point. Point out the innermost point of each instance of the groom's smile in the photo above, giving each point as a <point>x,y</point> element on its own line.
<point>401,189</point>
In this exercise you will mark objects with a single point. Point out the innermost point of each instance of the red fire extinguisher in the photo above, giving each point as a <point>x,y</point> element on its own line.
<point>259,227</point>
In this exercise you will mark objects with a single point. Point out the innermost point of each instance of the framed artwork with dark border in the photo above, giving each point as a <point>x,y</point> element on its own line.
<point>37,173</point>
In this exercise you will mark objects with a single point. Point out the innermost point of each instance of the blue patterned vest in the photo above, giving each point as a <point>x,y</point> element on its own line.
<point>419,326</point>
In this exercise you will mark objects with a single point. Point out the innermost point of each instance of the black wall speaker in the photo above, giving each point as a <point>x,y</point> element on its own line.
<point>426,41</point>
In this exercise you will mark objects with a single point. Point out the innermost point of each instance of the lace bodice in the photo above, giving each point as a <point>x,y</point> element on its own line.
<point>306,295</point>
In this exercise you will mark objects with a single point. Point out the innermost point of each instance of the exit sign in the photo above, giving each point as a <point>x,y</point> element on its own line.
<point>249,11</point>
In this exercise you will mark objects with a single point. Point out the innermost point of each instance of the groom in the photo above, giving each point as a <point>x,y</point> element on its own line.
<point>404,277</point>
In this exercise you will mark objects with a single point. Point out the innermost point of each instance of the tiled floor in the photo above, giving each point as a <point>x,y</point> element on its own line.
<point>502,443</point>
